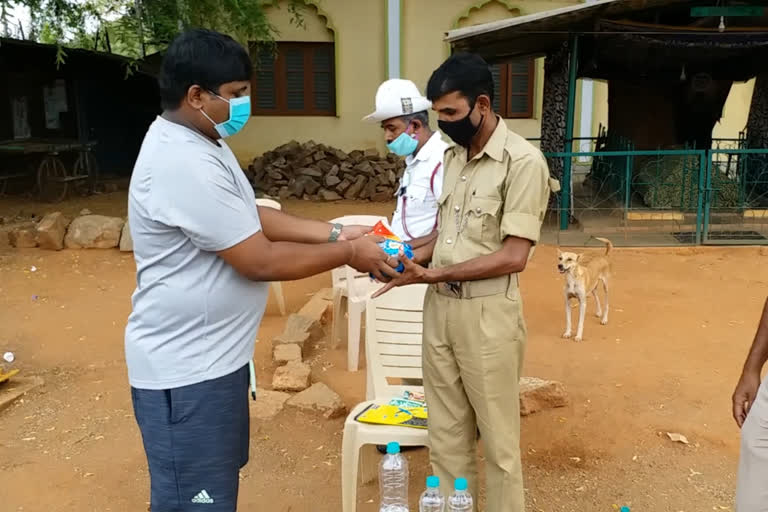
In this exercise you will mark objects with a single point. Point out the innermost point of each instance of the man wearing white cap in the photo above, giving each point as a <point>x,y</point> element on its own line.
<point>403,114</point>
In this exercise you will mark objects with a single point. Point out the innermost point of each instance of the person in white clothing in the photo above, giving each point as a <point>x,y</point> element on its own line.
<point>403,114</point>
<point>750,410</point>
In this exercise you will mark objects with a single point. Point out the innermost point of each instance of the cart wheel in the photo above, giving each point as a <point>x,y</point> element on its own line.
<point>50,179</point>
<point>86,164</point>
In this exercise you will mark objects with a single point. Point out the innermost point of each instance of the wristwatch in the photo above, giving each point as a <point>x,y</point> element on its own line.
<point>335,232</point>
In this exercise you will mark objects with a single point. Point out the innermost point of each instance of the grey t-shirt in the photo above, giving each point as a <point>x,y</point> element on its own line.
<point>195,318</point>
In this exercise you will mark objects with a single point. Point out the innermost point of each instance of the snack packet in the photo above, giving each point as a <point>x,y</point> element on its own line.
<point>391,243</point>
<point>413,395</point>
<point>402,402</point>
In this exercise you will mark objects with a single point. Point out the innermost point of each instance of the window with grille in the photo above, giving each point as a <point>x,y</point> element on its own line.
<point>513,83</point>
<point>294,79</point>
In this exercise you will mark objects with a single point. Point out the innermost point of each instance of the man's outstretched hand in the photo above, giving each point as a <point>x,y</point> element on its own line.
<point>412,273</point>
<point>369,258</point>
<point>744,396</point>
<point>354,232</point>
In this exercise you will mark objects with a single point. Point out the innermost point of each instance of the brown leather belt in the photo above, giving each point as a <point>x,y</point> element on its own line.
<point>474,289</point>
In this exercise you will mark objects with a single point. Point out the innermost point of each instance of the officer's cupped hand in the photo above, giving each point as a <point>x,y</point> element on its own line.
<point>370,258</point>
<point>412,273</point>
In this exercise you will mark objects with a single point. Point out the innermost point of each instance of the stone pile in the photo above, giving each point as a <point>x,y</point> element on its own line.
<point>292,380</point>
<point>87,231</point>
<point>322,173</point>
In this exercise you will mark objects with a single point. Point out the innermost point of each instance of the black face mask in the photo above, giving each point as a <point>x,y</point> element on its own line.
<point>461,131</point>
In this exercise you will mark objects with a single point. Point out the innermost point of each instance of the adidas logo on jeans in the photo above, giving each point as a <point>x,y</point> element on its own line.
<point>202,497</point>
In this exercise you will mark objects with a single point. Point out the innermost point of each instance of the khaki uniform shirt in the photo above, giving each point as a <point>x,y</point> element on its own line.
<point>503,191</point>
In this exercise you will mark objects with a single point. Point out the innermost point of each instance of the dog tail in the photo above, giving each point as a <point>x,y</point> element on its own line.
<point>608,245</point>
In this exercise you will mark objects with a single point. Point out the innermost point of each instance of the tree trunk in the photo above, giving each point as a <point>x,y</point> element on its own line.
<point>757,122</point>
<point>554,109</point>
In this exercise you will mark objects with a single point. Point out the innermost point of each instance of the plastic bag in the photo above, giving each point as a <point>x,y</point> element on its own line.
<point>392,244</point>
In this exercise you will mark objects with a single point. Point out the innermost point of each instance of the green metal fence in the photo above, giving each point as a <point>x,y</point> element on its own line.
<point>631,197</point>
<point>663,197</point>
<point>736,197</point>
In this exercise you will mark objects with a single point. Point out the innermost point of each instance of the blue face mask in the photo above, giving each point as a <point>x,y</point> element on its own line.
<point>239,113</point>
<point>405,144</point>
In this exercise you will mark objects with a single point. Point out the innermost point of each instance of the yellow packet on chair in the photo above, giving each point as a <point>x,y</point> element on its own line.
<point>413,417</point>
<point>4,377</point>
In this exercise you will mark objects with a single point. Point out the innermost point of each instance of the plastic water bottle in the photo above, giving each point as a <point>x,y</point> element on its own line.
<point>460,500</point>
<point>393,480</point>
<point>431,500</point>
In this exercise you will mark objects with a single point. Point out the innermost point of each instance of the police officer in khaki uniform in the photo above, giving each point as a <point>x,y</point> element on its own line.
<point>490,213</point>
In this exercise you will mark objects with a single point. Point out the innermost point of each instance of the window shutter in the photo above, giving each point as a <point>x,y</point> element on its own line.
<point>294,79</point>
<point>520,88</point>
<point>322,69</point>
<point>265,80</point>
<point>497,92</point>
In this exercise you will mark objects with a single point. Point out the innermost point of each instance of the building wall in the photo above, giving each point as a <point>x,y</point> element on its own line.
<point>359,30</point>
<point>444,15</point>
<point>735,112</point>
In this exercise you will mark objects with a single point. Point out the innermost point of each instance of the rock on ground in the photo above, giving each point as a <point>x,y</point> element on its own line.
<point>539,394</point>
<point>319,306</point>
<point>267,404</point>
<point>51,231</point>
<point>23,237</point>
<point>329,195</point>
<point>319,398</point>
<point>299,329</point>
<point>292,377</point>
<point>126,241</point>
<point>282,354</point>
<point>94,232</point>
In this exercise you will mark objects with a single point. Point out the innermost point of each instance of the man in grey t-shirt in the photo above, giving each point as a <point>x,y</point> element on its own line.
<point>204,253</point>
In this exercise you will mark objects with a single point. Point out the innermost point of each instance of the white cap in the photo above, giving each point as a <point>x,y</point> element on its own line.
<point>396,98</point>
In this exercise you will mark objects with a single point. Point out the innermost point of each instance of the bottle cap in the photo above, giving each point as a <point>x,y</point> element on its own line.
<point>393,448</point>
<point>461,484</point>
<point>433,482</point>
<point>624,509</point>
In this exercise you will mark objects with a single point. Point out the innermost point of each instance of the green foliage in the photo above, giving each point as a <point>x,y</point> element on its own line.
<point>135,28</point>
<point>672,182</point>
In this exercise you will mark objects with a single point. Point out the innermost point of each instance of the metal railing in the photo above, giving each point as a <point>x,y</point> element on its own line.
<point>663,197</point>
<point>648,197</point>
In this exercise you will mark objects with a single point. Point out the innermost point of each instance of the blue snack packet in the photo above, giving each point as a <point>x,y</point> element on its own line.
<point>392,248</point>
<point>392,245</point>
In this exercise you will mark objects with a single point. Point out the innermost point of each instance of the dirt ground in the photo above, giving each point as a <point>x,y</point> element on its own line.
<point>680,327</point>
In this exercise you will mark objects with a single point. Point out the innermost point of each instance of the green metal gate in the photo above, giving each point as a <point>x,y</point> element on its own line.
<point>665,197</point>
<point>633,197</point>
<point>736,197</point>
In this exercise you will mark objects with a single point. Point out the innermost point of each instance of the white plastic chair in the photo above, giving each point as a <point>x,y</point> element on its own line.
<point>277,287</point>
<point>393,347</point>
<point>355,287</point>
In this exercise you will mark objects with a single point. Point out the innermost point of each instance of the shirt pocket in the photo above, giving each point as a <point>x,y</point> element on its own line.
<point>483,219</point>
<point>418,193</point>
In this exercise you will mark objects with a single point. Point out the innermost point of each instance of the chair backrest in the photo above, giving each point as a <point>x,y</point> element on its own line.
<point>393,332</point>
<point>362,220</point>
<point>270,203</point>
<point>355,282</point>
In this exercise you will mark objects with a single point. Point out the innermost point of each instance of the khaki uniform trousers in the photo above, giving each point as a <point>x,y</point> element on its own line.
<point>752,486</point>
<point>472,357</point>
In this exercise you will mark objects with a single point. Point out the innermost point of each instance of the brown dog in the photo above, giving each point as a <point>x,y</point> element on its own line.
<point>582,276</point>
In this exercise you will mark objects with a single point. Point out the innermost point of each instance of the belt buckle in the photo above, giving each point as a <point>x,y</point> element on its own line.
<point>454,287</point>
